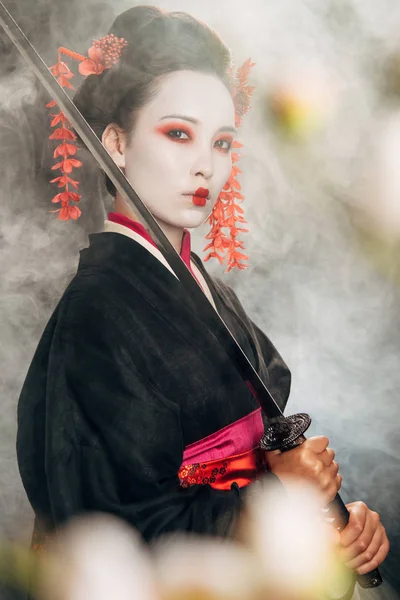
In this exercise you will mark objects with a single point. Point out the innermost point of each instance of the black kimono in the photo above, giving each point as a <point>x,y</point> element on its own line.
<point>129,393</point>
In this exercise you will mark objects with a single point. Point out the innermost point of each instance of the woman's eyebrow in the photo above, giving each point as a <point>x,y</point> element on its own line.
<point>196,122</point>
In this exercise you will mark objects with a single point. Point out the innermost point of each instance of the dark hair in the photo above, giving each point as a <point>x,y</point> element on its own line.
<point>159,43</point>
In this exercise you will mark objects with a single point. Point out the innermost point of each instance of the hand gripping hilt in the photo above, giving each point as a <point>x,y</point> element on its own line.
<point>284,433</point>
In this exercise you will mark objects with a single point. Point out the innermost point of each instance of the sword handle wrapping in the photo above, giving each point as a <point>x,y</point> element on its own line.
<point>284,433</point>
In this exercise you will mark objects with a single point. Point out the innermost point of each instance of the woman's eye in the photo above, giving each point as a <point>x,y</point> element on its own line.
<point>224,145</point>
<point>178,134</point>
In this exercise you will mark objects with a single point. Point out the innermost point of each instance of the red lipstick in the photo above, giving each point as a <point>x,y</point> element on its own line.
<point>200,197</point>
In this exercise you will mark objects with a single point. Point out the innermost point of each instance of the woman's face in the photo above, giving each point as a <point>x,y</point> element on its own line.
<point>182,142</point>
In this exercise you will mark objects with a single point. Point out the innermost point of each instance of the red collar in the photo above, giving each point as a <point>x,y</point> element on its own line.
<point>138,228</point>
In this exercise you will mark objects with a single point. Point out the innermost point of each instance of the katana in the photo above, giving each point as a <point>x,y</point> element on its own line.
<point>281,432</point>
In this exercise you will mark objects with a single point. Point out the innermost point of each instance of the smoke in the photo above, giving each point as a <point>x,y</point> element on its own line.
<point>330,311</point>
<point>38,255</point>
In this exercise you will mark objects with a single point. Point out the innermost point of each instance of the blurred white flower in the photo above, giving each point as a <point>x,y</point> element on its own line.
<point>294,547</point>
<point>197,567</point>
<point>98,558</point>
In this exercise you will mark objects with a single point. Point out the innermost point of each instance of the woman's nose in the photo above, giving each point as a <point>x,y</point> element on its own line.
<point>203,165</point>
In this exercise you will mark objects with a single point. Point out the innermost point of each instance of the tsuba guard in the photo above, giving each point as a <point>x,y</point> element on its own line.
<point>282,433</point>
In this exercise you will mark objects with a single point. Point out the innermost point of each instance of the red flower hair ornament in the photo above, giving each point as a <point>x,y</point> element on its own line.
<point>226,219</point>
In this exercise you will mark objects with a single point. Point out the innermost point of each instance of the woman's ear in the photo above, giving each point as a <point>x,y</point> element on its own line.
<point>114,141</point>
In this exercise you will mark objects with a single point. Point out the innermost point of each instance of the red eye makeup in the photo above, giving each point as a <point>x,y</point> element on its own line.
<point>181,133</point>
<point>175,131</point>
<point>224,143</point>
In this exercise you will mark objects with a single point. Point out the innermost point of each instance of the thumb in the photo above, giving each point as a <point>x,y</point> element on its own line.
<point>272,452</point>
<point>269,456</point>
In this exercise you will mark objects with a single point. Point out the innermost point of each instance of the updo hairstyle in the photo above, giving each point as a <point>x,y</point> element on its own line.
<point>158,43</point>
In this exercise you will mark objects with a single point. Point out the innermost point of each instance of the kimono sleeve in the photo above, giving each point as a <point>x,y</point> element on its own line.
<point>114,442</point>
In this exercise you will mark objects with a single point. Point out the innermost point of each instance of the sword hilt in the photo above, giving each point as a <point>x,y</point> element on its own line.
<point>284,433</point>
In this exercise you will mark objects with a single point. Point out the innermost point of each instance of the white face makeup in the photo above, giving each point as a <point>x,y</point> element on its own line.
<point>181,142</point>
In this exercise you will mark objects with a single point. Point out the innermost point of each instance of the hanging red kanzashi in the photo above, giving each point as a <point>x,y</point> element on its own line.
<point>102,55</point>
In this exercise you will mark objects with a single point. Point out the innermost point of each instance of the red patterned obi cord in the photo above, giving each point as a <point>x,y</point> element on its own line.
<point>222,473</point>
<point>230,455</point>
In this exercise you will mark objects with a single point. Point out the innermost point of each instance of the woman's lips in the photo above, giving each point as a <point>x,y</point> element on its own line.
<point>200,196</point>
<point>199,200</point>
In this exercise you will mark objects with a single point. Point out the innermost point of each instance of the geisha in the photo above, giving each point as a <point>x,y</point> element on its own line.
<point>129,406</point>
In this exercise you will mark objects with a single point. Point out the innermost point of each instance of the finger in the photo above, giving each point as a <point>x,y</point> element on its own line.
<point>329,475</point>
<point>332,490</point>
<point>377,560</point>
<point>317,444</point>
<point>327,456</point>
<point>363,542</point>
<point>338,484</point>
<point>367,555</point>
<point>355,527</point>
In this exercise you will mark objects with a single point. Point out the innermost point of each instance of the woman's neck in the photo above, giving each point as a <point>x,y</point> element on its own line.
<point>172,233</point>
